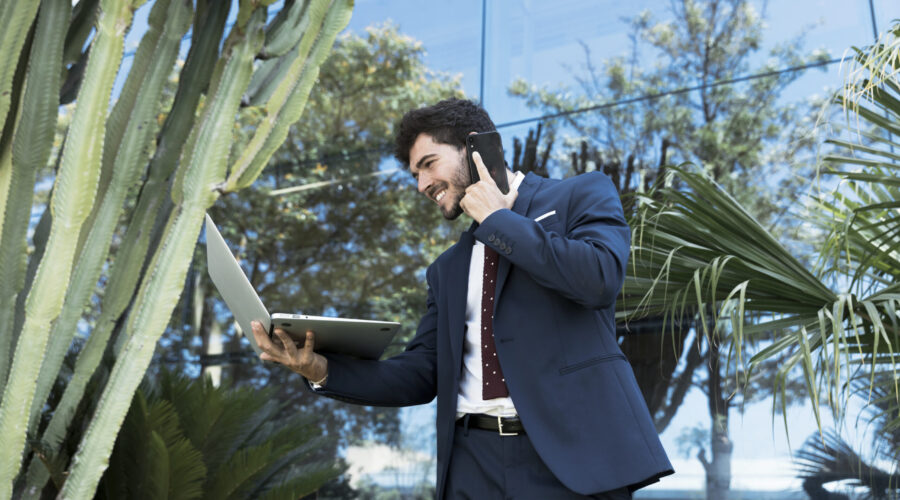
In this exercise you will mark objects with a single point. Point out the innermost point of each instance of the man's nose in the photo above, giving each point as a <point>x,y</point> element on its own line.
<point>424,182</point>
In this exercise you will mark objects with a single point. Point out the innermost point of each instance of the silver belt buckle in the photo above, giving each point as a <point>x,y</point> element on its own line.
<point>500,426</point>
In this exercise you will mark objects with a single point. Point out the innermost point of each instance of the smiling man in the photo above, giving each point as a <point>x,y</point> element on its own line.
<point>438,174</point>
<point>535,399</point>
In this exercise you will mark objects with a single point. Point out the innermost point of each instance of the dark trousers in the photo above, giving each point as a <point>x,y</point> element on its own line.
<point>487,466</point>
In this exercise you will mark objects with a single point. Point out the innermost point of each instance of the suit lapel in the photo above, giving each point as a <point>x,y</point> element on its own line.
<point>458,286</point>
<point>527,189</point>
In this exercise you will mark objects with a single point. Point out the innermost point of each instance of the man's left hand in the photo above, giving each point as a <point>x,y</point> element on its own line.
<point>484,197</point>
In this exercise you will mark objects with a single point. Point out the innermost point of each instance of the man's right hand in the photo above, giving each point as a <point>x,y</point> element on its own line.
<point>304,360</point>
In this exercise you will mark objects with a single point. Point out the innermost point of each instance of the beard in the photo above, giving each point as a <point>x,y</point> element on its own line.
<point>457,190</point>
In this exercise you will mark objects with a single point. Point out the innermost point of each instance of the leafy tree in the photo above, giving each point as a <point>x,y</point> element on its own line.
<point>739,132</point>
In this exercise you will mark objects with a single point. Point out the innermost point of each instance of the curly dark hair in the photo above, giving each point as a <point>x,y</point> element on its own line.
<point>448,122</point>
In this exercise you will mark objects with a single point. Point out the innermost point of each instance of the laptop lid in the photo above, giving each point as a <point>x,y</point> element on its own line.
<point>361,338</point>
<point>233,285</point>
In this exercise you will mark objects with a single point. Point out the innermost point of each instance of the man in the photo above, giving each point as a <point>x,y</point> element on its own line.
<point>534,397</point>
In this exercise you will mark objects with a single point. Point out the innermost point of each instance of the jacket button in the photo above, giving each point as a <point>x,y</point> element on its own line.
<point>508,251</point>
<point>491,238</point>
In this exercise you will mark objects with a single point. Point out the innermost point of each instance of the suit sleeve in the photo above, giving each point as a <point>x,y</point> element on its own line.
<point>587,264</point>
<point>409,378</point>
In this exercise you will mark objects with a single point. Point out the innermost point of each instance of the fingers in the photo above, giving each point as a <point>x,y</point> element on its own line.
<point>310,342</point>
<point>286,342</point>
<point>483,173</point>
<point>261,337</point>
<point>301,360</point>
<point>271,352</point>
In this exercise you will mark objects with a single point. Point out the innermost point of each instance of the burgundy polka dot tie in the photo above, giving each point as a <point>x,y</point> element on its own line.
<point>493,383</point>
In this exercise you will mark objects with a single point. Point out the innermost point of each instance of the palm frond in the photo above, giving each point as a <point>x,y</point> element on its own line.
<point>696,250</point>
<point>246,448</point>
<point>304,480</point>
<point>232,478</point>
<point>152,458</point>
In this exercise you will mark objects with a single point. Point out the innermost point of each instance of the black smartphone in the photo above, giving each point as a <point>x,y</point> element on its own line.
<point>490,148</point>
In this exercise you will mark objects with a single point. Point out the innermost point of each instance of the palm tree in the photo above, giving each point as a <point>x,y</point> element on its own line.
<point>698,254</point>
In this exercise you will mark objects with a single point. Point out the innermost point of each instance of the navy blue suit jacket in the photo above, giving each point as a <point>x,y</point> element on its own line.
<point>555,336</point>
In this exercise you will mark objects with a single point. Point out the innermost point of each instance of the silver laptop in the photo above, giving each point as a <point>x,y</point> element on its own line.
<point>356,337</point>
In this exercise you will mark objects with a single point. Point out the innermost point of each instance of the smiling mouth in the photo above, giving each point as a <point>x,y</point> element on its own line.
<point>438,197</point>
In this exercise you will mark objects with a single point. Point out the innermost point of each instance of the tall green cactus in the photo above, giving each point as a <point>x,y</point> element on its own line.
<point>126,270</point>
<point>104,155</point>
<point>169,21</point>
<point>164,282</point>
<point>72,200</point>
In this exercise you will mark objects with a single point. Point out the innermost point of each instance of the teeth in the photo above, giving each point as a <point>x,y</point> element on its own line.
<point>440,195</point>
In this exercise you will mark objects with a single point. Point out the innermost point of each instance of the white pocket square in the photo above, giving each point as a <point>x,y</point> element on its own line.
<point>548,214</point>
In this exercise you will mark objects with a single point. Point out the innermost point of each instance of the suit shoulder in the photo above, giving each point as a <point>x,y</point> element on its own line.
<point>590,179</point>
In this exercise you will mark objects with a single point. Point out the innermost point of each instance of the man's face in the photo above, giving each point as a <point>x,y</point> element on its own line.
<point>441,173</point>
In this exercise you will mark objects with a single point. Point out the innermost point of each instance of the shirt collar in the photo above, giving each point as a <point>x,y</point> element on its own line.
<point>517,181</point>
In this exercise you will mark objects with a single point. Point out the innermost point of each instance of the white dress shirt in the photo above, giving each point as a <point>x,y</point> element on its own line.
<point>470,383</point>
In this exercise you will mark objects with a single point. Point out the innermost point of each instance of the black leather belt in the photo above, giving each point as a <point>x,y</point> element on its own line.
<point>506,426</point>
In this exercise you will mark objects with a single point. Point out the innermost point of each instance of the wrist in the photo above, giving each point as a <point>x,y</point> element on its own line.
<point>318,377</point>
